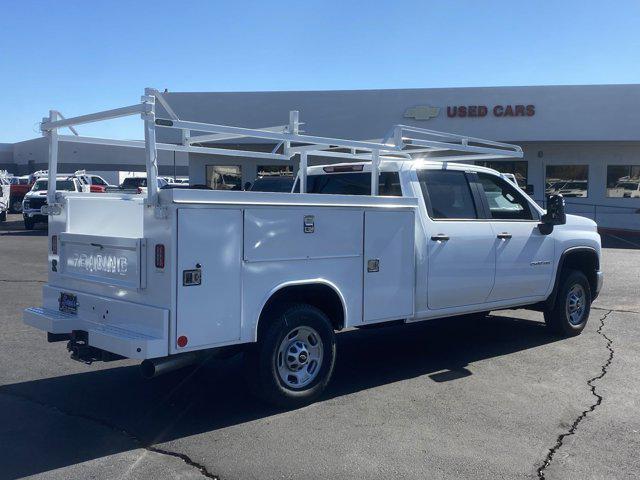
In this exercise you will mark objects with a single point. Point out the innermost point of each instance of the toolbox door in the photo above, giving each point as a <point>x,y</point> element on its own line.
<point>208,277</point>
<point>389,265</point>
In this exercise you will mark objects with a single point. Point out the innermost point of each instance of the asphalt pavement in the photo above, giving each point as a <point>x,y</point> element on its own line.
<point>454,398</point>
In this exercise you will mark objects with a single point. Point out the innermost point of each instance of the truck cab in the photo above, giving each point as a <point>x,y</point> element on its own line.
<point>481,241</point>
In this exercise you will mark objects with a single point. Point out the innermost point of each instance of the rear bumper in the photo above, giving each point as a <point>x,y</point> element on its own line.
<point>123,328</point>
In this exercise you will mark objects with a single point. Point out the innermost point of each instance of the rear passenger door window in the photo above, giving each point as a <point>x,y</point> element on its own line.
<point>352,183</point>
<point>504,201</point>
<point>447,194</point>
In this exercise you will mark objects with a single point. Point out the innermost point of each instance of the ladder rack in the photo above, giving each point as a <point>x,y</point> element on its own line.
<point>401,142</point>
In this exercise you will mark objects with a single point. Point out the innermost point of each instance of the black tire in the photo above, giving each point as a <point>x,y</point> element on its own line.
<point>15,205</point>
<point>28,223</point>
<point>261,360</point>
<point>3,216</point>
<point>558,318</point>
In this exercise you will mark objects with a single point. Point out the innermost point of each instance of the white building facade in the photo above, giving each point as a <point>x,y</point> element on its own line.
<point>581,141</point>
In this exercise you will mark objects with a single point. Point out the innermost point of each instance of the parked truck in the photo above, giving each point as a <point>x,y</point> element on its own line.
<point>394,234</point>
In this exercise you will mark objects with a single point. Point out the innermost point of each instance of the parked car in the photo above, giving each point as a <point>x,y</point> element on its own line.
<point>36,198</point>
<point>5,195</point>
<point>137,184</point>
<point>19,187</point>
<point>90,182</point>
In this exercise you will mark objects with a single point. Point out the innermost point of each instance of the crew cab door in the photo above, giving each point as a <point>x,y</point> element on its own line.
<point>524,256</point>
<point>460,246</point>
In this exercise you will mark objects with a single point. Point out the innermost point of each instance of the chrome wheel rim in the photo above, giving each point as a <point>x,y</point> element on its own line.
<point>576,304</point>
<point>299,357</point>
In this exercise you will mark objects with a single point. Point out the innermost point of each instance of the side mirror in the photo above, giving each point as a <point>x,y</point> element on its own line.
<point>555,214</point>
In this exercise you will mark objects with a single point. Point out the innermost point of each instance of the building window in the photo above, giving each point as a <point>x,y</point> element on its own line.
<point>224,177</point>
<point>275,170</point>
<point>623,181</point>
<point>568,180</point>
<point>519,169</point>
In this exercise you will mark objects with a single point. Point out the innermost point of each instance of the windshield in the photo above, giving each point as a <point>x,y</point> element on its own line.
<point>60,185</point>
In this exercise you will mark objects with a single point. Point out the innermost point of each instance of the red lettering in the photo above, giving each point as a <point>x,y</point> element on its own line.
<point>482,111</point>
<point>519,110</point>
<point>473,111</point>
<point>508,111</point>
<point>498,110</point>
<point>462,111</point>
<point>452,111</point>
<point>531,110</point>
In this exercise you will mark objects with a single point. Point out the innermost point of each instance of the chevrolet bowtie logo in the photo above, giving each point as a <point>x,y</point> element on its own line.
<point>422,112</point>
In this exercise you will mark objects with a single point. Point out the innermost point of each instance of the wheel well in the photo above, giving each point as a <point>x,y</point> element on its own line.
<point>583,259</point>
<point>319,295</point>
<point>587,262</point>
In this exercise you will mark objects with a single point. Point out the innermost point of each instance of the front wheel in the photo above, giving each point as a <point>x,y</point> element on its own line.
<point>293,361</point>
<point>29,223</point>
<point>571,310</point>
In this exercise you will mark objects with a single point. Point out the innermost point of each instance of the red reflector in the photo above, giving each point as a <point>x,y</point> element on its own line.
<point>182,341</point>
<point>159,255</point>
<point>54,244</point>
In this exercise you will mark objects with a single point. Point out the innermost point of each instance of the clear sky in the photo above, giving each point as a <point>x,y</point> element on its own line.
<point>82,56</point>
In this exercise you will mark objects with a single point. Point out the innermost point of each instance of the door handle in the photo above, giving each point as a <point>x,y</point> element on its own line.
<point>440,238</point>
<point>504,236</point>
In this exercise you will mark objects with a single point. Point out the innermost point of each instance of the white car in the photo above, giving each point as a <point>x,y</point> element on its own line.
<point>5,195</point>
<point>36,198</point>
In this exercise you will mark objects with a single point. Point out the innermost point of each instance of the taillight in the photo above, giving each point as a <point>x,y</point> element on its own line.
<point>54,244</point>
<point>159,255</point>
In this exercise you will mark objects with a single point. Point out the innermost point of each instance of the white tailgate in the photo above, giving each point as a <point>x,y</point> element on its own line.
<point>389,239</point>
<point>209,314</point>
<point>117,261</point>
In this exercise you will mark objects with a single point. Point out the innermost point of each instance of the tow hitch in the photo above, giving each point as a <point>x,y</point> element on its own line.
<point>81,351</point>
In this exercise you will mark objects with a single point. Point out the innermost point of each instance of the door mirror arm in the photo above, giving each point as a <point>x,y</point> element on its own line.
<point>555,214</point>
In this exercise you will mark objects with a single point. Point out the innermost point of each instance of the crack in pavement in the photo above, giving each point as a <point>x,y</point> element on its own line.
<point>150,448</point>
<point>583,415</point>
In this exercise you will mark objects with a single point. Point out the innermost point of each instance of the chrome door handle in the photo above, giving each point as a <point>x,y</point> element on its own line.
<point>440,237</point>
<point>504,236</point>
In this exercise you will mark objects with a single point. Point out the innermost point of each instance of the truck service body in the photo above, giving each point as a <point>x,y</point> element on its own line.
<point>169,275</point>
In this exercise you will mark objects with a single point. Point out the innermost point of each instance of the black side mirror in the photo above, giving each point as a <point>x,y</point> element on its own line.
<point>555,214</point>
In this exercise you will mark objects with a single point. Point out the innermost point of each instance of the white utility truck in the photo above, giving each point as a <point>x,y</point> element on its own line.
<point>401,233</point>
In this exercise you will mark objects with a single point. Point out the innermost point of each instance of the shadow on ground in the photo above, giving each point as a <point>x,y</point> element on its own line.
<point>13,227</point>
<point>214,396</point>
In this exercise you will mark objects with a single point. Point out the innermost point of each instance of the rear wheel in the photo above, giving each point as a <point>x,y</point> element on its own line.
<point>569,315</point>
<point>292,363</point>
<point>28,223</point>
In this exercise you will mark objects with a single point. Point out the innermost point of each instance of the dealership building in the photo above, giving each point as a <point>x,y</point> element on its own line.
<point>581,141</point>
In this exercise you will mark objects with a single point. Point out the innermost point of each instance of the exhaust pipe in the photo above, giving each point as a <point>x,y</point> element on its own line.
<point>153,367</point>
